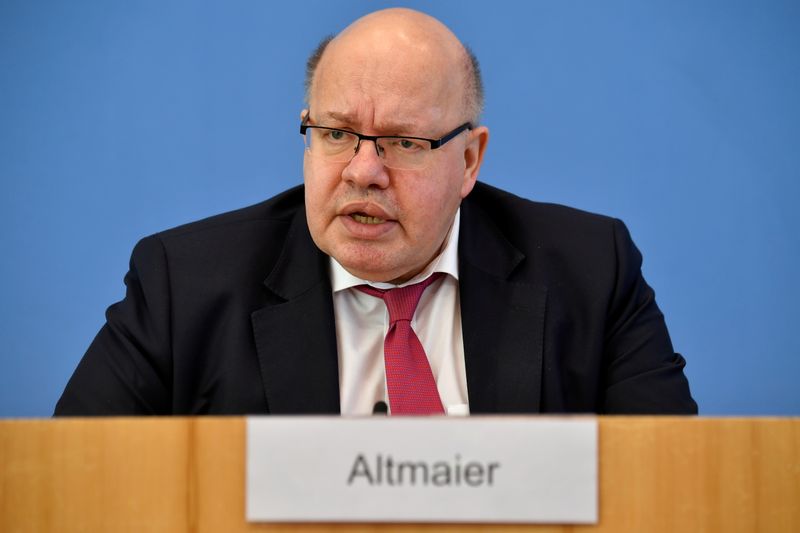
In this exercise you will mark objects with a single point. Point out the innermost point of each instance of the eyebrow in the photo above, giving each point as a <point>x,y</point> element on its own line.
<point>339,117</point>
<point>398,128</point>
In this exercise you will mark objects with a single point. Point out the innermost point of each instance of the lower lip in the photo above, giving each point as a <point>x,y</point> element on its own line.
<point>366,231</point>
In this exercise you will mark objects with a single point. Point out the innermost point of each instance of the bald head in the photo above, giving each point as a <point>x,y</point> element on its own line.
<point>400,49</point>
<point>393,73</point>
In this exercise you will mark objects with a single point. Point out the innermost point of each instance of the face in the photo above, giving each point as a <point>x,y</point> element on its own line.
<point>384,224</point>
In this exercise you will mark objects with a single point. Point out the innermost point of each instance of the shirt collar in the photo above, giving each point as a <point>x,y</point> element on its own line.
<point>446,262</point>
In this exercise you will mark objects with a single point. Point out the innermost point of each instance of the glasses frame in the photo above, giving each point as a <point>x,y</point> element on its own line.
<point>435,143</point>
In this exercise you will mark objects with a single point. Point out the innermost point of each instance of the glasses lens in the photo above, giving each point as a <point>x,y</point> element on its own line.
<point>335,145</point>
<point>339,146</point>
<point>404,153</point>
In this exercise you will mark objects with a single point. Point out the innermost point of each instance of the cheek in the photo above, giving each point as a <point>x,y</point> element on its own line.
<point>444,190</point>
<point>449,193</point>
<point>318,184</point>
<point>315,196</point>
<point>433,206</point>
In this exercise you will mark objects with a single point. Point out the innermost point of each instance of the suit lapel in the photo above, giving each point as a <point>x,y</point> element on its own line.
<point>296,336</point>
<point>502,320</point>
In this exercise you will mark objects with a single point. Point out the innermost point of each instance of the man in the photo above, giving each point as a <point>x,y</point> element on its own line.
<point>281,307</point>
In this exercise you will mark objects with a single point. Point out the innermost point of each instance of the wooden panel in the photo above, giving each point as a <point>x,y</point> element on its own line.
<point>93,475</point>
<point>676,474</point>
<point>179,474</point>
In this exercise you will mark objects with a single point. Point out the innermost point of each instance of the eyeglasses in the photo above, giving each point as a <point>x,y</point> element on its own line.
<point>402,153</point>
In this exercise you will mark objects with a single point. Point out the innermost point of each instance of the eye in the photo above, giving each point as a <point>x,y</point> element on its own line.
<point>409,145</point>
<point>337,135</point>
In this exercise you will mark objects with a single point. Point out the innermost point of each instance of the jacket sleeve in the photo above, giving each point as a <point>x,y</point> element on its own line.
<point>643,372</point>
<point>127,369</point>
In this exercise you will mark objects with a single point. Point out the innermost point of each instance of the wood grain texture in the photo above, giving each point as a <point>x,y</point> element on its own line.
<point>187,475</point>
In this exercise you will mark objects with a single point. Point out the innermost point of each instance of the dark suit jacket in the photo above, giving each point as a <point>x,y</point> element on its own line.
<point>234,315</point>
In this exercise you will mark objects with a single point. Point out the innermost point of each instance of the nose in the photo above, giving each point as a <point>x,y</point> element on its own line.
<point>366,168</point>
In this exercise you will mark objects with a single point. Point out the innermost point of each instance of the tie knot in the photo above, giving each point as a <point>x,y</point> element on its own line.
<point>401,302</point>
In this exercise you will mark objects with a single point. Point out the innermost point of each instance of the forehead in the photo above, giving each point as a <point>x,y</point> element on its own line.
<point>402,91</point>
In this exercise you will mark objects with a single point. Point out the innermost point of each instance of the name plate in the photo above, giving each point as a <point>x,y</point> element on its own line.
<point>399,469</point>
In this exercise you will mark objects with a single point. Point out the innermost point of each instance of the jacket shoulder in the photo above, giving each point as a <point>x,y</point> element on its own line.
<point>524,221</point>
<point>239,246</point>
<point>280,209</point>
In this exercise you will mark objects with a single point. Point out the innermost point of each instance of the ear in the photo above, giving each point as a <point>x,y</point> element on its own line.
<point>303,114</point>
<point>473,157</point>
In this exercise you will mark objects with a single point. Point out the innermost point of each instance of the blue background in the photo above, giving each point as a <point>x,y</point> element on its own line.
<point>119,119</point>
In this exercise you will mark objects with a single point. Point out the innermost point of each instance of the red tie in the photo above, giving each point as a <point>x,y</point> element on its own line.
<point>409,380</point>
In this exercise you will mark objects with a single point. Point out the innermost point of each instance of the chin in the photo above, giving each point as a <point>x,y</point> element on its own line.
<point>373,263</point>
<point>369,272</point>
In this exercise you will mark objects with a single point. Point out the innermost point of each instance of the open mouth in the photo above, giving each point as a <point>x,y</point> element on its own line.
<point>366,219</point>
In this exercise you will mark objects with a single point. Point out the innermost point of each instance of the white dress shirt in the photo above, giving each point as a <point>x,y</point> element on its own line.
<point>363,320</point>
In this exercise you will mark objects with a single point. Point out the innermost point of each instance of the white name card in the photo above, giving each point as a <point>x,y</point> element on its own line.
<point>398,469</point>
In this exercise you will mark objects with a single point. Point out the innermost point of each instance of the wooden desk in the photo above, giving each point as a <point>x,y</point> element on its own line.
<point>187,475</point>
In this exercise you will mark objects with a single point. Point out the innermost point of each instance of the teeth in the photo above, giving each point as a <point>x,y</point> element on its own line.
<point>367,219</point>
